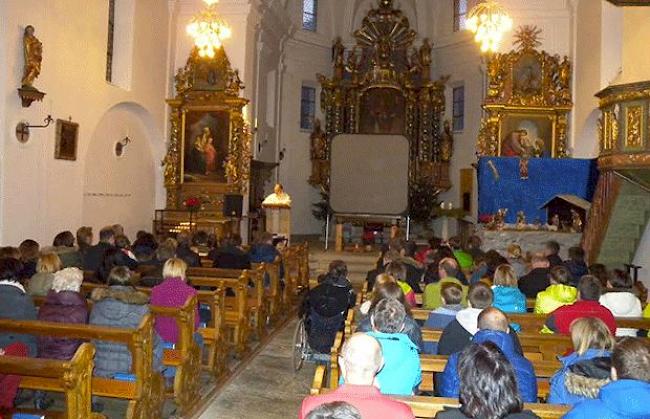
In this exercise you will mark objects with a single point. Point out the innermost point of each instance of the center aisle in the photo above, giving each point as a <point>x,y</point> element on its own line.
<point>267,388</point>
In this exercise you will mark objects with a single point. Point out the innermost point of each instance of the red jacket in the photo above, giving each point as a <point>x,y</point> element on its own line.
<point>367,399</point>
<point>9,383</point>
<point>560,320</point>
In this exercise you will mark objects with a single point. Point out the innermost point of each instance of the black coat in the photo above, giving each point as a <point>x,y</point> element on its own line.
<point>94,255</point>
<point>231,257</point>
<point>190,257</point>
<point>534,282</point>
<point>455,338</point>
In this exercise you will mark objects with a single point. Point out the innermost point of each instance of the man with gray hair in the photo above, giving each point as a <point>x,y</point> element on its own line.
<point>360,360</point>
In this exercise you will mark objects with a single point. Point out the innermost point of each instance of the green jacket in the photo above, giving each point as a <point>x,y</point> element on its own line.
<point>431,299</point>
<point>554,297</point>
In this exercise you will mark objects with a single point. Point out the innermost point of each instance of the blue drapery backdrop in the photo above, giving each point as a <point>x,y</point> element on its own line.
<point>546,178</point>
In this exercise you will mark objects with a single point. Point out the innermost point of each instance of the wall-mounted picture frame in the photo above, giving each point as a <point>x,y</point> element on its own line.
<point>67,136</point>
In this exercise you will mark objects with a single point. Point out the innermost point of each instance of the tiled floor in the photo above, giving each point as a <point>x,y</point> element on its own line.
<point>267,388</point>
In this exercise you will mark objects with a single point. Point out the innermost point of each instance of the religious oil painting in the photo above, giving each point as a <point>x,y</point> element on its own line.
<point>527,76</point>
<point>67,135</point>
<point>382,112</point>
<point>526,136</point>
<point>206,136</point>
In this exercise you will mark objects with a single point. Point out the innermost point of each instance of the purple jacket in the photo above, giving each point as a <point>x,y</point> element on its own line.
<point>61,307</point>
<point>172,292</point>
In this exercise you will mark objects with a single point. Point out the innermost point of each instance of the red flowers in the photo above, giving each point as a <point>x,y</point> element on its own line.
<point>192,202</point>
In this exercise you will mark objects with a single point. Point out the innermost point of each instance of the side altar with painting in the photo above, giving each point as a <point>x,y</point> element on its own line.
<point>209,150</point>
<point>523,144</point>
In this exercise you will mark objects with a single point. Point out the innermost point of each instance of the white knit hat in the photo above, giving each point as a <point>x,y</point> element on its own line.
<point>68,279</point>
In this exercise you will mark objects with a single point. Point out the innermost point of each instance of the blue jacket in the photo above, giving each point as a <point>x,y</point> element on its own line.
<point>449,383</point>
<point>622,399</point>
<point>265,253</point>
<point>559,394</point>
<point>509,299</point>
<point>401,374</point>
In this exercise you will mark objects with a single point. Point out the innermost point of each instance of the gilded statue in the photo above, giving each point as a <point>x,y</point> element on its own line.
<point>425,59</point>
<point>33,51</point>
<point>564,79</point>
<point>353,64</point>
<point>446,142</point>
<point>338,52</point>
<point>318,142</point>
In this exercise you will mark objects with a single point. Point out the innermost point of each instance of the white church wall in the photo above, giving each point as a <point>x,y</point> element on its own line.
<point>41,195</point>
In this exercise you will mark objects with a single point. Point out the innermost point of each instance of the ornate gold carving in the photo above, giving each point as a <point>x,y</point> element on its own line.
<point>384,86</point>
<point>207,84</point>
<point>633,127</point>
<point>529,82</point>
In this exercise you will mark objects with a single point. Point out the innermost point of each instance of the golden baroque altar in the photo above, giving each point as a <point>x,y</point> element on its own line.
<point>383,86</point>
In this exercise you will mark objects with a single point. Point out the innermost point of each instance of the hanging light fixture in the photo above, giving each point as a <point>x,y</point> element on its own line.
<point>488,21</point>
<point>208,30</point>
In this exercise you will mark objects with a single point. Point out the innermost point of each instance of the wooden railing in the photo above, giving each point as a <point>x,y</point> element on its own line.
<point>607,192</point>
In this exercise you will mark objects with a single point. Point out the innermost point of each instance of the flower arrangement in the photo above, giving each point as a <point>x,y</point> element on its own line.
<point>193,203</point>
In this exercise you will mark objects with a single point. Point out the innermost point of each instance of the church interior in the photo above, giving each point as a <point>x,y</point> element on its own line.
<point>269,208</point>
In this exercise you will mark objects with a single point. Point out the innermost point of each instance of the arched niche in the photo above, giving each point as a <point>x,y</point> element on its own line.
<point>122,189</point>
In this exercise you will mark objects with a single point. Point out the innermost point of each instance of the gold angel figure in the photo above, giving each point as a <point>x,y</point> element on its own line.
<point>33,50</point>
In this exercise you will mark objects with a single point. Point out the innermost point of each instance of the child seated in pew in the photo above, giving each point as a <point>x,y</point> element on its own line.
<point>120,305</point>
<point>493,327</point>
<point>448,272</point>
<point>398,271</point>
<point>452,296</point>
<point>64,304</point>
<point>488,386</point>
<point>507,296</point>
<point>558,294</point>
<point>620,299</point>
<point>587,305</point>
<point>459,332</point>
<point>585,371</point>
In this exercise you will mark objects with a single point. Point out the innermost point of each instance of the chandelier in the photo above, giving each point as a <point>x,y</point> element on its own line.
<point>488,21</point>
<point>208,30</point>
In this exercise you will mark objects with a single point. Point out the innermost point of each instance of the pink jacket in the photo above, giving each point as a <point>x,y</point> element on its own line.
<point>172,292</point>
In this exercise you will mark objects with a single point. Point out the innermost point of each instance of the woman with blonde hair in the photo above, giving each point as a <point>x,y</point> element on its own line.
<point>41,282</point>
<point>507,296</point>
<point>172,292</point>
<point>587,369</point>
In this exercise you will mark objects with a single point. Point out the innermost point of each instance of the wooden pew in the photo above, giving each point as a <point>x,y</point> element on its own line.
<point>72,378</point>
<point>536,347</point>
<point>185,356</point>
<point>238,311</point>
<point>274,292</point>
<point>293,274</point>
<point>213,334</point>
<point>427,407</point>
<point>533,323</point>
<point>145,396</point>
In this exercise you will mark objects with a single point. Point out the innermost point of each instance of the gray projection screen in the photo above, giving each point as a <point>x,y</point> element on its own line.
<point>369,174</point>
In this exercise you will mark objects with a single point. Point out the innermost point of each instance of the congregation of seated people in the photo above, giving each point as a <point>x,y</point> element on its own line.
<point>470,294</point>
<point>55,274</point>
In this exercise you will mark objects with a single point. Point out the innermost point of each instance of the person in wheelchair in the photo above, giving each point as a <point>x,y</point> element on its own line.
<point>325,307</point>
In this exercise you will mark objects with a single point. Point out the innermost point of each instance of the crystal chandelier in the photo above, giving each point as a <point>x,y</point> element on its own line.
<point>208,30</point>
<point>488,21</point>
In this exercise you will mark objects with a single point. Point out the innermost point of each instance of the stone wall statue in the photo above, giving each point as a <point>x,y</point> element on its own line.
<point>33,50</point>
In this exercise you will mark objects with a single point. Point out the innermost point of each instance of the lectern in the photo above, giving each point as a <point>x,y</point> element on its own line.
<point>278,213</point>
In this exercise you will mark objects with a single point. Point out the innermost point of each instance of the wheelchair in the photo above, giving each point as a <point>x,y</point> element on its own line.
<point>313,338</point>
